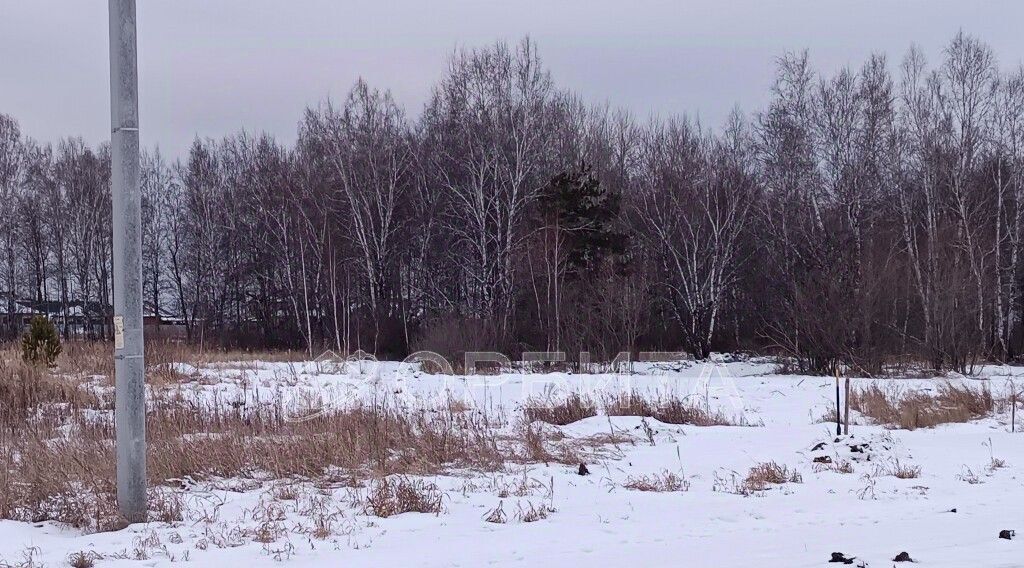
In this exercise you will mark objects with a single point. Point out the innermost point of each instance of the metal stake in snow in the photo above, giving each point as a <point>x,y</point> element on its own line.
<point>129,366</point>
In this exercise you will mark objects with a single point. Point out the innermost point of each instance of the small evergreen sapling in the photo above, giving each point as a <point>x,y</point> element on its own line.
<point>40,345</point>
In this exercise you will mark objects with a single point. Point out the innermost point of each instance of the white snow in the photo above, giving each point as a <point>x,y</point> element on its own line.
<point>868,514</point>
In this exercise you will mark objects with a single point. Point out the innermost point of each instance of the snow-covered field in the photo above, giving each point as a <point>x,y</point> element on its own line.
<point>970,484</point>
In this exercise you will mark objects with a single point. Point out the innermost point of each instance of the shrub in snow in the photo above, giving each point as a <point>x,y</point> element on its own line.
<point>40,345</point>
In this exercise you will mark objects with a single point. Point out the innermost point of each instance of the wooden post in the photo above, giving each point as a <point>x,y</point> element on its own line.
<point>839,416</point>
<point>846,409</point>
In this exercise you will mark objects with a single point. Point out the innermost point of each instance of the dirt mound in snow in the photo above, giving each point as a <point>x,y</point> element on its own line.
<point>870,448</point>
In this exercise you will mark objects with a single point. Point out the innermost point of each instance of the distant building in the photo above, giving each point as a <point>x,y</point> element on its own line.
<point>163,326</point>
<point>75,318</point>
<point>90,320</point>
<point>14,313</point>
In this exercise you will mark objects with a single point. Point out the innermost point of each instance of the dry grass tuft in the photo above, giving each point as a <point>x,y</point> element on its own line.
<point>763,475</point>
<point>532,513</point>
<point>913,410</point>
<point>628,404</point>
<point>83,559</point>
<point>396,495</point>
<point>543,447</point>
<point>497,515</point>
<point>904,471</point>
<point>664,482</point>
<point>165,506</point>
<point>968,476</point>
<point>676,411</point>
<point>31,394</point>
<point>574,408</point>
<point>669,409</point>
<point>533,444</point>
<point>86,358</point>
<point>839,466</point>
<point>288,492</point>
<point>829,417</point>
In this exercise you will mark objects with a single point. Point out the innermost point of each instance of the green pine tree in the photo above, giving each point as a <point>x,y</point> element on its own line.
<point>576,201</point>
<point>40,345</point>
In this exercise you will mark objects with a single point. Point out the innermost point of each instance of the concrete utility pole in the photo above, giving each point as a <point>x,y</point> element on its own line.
<point>129,363</point>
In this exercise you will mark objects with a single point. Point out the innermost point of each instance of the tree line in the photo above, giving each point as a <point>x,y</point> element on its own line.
<point>864,217</point>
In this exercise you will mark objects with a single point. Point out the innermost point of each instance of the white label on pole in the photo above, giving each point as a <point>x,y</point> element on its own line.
<point>118,332</point>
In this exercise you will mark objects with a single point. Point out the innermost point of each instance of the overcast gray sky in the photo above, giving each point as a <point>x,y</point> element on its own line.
<point>209,67</point>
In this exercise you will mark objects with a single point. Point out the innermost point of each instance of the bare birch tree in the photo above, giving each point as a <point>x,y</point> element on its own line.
<point>492,113</point>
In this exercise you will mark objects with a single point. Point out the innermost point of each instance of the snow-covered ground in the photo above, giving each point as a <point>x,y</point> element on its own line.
<point>595,520</point>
